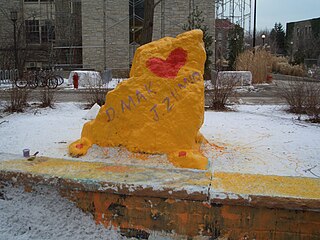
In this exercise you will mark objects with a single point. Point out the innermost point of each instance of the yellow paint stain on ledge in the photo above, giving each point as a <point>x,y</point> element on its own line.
<point>222,182</point>
<point>68,169</point>
<point>100,172</point>
<point>266,185</point>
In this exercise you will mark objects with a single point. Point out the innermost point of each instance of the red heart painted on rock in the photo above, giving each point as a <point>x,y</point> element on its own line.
<point>170,67</point>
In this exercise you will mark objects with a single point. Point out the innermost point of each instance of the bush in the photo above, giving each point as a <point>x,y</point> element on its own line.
<point>262,63</point>
<point>303,98</point>
<point>277,62</point>
<point>281,65</point>
<point>220,92</point>
<point>258,63</point>
<point>18,100</point>
<point>47,97</point>
<point>96,94</point>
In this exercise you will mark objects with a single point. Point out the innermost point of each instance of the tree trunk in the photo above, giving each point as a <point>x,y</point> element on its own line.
<point>146,35</point>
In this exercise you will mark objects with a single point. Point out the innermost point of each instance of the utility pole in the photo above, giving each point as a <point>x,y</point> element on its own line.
<point>254,23</point>
<point>14,18</point>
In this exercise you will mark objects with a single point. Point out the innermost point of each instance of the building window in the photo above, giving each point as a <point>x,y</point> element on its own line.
<point>47,31</point>
<point>39,31</point>
<point>32,31</point>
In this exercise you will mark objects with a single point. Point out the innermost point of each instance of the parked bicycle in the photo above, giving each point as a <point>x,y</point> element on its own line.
<point>27,79</point>
<point>58,77</point>
<point>34,79</point>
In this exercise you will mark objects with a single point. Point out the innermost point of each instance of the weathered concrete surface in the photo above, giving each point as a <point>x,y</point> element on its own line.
<point>184,201</point>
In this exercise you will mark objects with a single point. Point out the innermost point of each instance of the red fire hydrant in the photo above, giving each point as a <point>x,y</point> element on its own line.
<point>75,80</point>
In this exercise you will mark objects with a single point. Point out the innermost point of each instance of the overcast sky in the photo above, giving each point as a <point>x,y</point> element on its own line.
<point>284,11</point>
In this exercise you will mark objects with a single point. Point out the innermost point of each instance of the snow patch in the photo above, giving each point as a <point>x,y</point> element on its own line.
<point>92,113</point>
<point>44,214</point>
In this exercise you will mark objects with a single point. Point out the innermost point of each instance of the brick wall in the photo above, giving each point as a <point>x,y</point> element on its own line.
<point>92,34</point>
<point>105,26</point>
<point>170,17</point>
<point>117,34</point>
<point>105,34</point>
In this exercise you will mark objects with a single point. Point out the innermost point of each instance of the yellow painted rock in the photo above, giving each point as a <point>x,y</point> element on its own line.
<point>160,108</point>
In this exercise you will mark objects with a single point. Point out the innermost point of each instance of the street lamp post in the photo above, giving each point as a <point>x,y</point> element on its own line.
<point>14,18</point>
<point>263,37</point>
<point>291,46</point>
<point>254,23</point>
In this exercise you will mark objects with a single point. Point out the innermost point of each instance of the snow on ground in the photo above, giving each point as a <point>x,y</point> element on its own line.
<point>256,139</point>
<point>44,214</point>
<point>264,140</point>
<point>86,78</point>
<point>50,131</point>
<point>42,129</point>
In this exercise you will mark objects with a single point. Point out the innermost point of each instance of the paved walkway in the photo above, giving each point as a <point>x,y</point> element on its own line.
<point>263,94</point>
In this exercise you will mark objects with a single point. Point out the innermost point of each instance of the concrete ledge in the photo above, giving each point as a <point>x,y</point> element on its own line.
<point>182,201</point>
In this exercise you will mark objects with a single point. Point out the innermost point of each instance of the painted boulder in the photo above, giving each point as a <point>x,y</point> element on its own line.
<point>160,108</point>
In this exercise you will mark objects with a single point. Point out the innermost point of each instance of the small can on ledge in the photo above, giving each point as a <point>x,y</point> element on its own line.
<point>26,153</point>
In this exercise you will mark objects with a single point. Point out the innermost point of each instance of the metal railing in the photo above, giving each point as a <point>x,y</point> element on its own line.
<point>8,76</point>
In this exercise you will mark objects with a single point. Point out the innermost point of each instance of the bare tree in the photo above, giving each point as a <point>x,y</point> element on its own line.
<point>7,60</point>
<point>149,6</point>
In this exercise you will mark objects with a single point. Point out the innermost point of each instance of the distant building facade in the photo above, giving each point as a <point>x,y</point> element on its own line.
<point>110,35</point>
<point>48,32</point>
<point>303,38</point>
<point>222,35</point>
<point>99,34</point>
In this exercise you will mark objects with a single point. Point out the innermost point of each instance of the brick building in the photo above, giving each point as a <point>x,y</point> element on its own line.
<point>106,39</point>
<point>48,33</point>
<point>222,34</point>
<point>100,34</point>
<point>303,39</point>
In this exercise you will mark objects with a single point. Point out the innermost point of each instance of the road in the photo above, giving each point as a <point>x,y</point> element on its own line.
<point>259,94</point>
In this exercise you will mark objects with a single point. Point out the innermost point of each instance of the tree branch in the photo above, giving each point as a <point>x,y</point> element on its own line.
<point>154,6</point>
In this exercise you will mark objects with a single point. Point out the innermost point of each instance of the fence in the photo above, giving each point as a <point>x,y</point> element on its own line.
<point>8,76</point>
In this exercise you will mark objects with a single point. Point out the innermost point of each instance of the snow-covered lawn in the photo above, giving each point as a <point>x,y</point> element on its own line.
<point>255,139</point>
<point>264,140</point>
